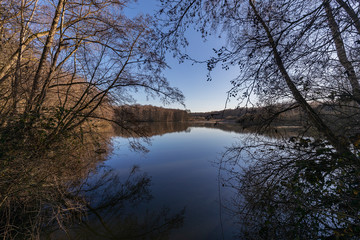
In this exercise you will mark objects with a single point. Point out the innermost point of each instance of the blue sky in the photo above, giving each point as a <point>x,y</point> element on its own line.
<point>200,95</point>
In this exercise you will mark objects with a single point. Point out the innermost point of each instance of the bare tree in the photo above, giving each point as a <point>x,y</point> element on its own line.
<point>341,51</point>
<point>71,60</point>
<point>64,64</point>
<point>282,48</point>
<point>302,51</point>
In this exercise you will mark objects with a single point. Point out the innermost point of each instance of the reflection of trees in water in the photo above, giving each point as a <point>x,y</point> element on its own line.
<point>149,129</point>
<point>299,189</point>
<point>35,185</point>
<point>154,225</point>
<point>237,128</point>
<point>63,194</point>
<point>110,202</point>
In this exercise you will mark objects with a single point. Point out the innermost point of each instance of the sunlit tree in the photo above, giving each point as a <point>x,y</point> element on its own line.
<point>64,64</point>
<point>64,59</point>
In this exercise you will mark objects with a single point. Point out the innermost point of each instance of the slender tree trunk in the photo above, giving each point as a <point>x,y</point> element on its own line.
<point>341,52</point>
<point>45,52</point>
<point>340,146</point>
<point>350,11</point>
<point>18,76</point>
<point>49,77</point>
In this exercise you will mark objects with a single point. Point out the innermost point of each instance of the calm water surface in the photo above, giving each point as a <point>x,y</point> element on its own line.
<point>175,192</point>
<point>183,167</point>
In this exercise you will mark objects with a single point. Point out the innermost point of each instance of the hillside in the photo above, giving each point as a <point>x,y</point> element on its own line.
<point>148,113</point>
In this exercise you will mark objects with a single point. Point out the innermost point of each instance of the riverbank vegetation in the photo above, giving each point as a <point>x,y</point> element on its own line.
<point>63,66</point>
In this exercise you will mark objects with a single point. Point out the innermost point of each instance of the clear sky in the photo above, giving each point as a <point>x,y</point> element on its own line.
<point>200,95</point>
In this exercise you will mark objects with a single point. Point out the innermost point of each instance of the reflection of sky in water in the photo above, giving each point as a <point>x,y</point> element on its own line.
<point>181,166</point>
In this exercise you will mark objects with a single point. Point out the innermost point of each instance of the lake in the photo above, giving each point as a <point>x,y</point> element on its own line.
<point>182,186</point>
<point>185,181</point>
<point>183,171</point>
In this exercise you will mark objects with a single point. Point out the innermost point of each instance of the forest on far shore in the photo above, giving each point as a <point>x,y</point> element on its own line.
<point>285,114</point>
<point>279,115</point>
<point>148,113</point>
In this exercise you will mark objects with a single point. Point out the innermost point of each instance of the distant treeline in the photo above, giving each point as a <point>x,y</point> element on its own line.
<point>148,113</point>
<point>223,114</point>
<point>289,114</point>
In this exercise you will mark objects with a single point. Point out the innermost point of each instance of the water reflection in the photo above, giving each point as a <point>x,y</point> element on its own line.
<point>111,210</point>
<point>183,175</point>
<point>40,192</point>
<point>271,188</point>
<point>297,189</point>
<point>69,194</point>
<point>149,129</point>
<point>275,132</point>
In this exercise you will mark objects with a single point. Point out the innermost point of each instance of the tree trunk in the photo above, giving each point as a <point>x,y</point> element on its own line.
<point>340,146</point>
<point>18,77</point>
<point>45,52</point>
<point>341,52</point>
<point>351,13</point>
